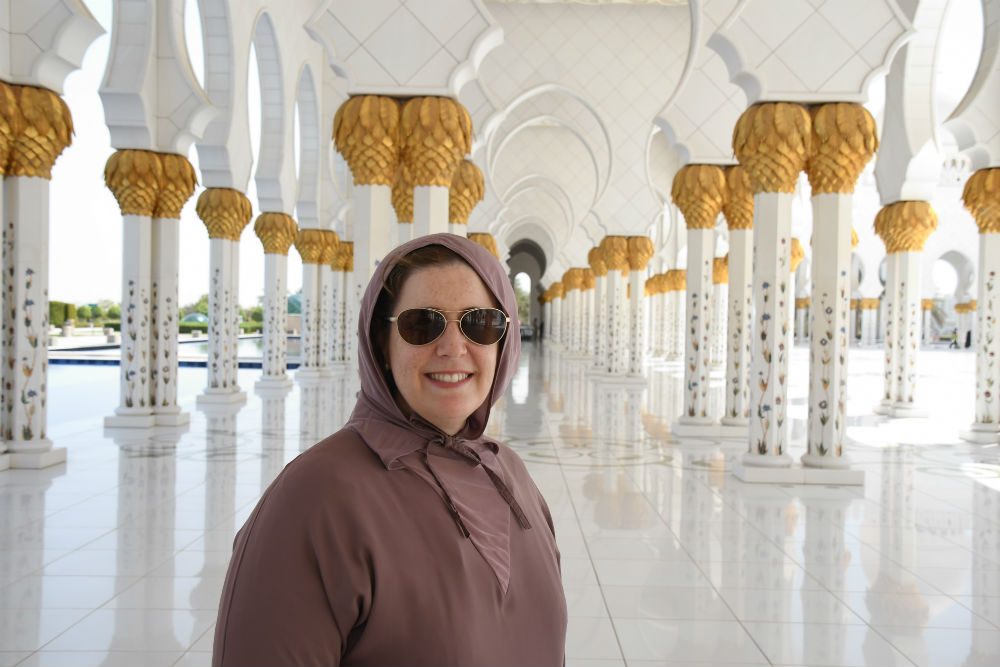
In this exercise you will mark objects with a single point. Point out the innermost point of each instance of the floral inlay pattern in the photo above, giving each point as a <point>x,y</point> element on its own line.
<point>986,370</point>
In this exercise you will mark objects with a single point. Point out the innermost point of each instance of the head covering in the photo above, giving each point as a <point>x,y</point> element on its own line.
<point>376,402</point>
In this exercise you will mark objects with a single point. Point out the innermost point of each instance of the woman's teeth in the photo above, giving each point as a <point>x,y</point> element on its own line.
<point>448,377</point>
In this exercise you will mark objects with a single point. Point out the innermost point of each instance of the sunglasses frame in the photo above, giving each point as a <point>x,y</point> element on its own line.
<point>506,326</point>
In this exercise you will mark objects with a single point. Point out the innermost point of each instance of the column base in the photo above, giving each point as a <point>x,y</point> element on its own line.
<point>270,384</point>
<point>733,428</point>
<point>309,374</point>
<point>41,455</point>
<point>983,434</point>
<point>904,410</point>
<point>783,471</point>
<point>173,418</point>
<point>125,420</point>
<point>4,461</point>
<point>695,427</point>
<point>883,407</point>
<point>212,398</point>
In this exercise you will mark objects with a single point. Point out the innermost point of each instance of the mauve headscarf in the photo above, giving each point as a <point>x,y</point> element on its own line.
<point>463,468</point>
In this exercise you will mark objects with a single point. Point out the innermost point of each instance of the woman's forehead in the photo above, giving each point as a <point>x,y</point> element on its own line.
<point>453,285</point>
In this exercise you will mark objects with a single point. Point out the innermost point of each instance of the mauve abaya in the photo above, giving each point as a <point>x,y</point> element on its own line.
<point>390,543</point>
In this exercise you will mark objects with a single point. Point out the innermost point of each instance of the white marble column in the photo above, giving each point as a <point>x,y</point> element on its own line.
<point>310,318</point>
<point>736,413</point>
<point>926,316</point>
<point>654,293</point>
<point>557,313</point>
<point>338,338</point>
<point>697,318</point>
<point>802,321</point>
<point>618,307</point>
<point>829,341</point>
<point>372,228</point>
<point>430,210</point>
<point>640,251</point>
<point>225,213</point>
<point>547,318</point>
<point>26,323</point>
<point>595,258</point>
<point>277,232</point>
<point>907,313</point>
<point>164,321</point>
<point>589,299</point>
<point>720,312</point>
<point>986,427</point>
<point>135,408</point>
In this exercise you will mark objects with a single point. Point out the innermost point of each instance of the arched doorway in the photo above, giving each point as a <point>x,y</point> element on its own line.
<point>527,258</point>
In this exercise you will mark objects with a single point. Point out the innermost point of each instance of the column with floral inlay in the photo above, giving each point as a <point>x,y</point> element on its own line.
<point>595,258</point>
<point>640,251</point>
<point>738,210</point>
<point>615,252</point>
<point>276,232</point>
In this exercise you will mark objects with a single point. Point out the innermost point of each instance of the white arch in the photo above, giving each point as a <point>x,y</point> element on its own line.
<point>538,182</point>
<point>273,119</point>
<point>307,200</point>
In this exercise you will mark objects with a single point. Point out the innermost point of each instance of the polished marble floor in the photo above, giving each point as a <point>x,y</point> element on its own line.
<point>117,557</point>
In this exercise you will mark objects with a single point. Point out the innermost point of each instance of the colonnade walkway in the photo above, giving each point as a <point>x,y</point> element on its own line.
<point>117,557</point>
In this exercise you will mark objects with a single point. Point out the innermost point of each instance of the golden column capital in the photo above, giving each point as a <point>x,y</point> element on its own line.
<point>276,232</point>
<point>844,139</point>
<point>225,212</point>
<point>366,133</point>
<point>798,253</point>
<point>966,307</point>
<point>854,304</point>
<point>905,225</point>
<point>640,251</point>
<point>310,244</point>
<point>467,190</point>
<point>614,251</point>
<point>329,250</point>
<point>134,177</point>
<point>854,238</point>
<point>595,258</point>
<point>982,197</point>
<point>869,304</point>
<point>738,204</point>
<point>558,290</point>
<point>589,281</point>
<point>772,140</point>
<point>11,123</point>
<point>487,241</point>
<point>344,256</point>
<point>177,184</point>
<point>699,191</point>
<point>678,280</point>
<point>435,132</point>
<point>927,304</point>
<point>402,195</point>
<point>720,270</point>
<point>802,302</point>
<point>46,130</point>
<point>572,280</point>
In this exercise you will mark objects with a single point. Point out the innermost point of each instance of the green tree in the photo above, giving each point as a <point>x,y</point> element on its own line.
<point>96,312</point>
<point>199,306</point>
<point>257,314</point>
<point>522,286</point>
<point>83,313</point>
<point>114,312</point>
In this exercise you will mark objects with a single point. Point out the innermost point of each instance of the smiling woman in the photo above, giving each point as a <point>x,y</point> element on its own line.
<point>408,521</point>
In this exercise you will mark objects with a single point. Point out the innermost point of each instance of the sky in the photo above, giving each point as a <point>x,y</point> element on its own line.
<point>85,252</point>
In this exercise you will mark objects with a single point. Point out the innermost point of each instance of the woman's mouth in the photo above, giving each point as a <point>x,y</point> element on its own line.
<point>449,379</point>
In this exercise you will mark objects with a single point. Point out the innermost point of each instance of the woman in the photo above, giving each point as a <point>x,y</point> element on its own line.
<point>407,538</point>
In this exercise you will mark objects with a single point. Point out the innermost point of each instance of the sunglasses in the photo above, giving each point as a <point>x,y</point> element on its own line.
<point>422,326</point>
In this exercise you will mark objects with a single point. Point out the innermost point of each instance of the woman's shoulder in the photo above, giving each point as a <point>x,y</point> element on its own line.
<point>338,464</point>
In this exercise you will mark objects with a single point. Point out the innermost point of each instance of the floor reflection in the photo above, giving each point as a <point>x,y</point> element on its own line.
<point>118,557</point>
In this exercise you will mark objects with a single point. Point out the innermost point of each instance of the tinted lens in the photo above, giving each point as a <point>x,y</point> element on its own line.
<point>484,325</point>
<point>420,326</point>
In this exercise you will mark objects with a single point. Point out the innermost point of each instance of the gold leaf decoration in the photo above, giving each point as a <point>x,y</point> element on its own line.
<point>487,241</point>
<point>678,280</point>
<point>868,304</point>
<point>276,232</point>
<point>699,191</point>
<point>558,290</point>
<point>310,244</point>
<point>366,133</point>
<point>46,131</point>
<point>720,270</point>
<point>177,183</point>
<point>640,251</point>
<point>738,204</point>
<point>134,177</point>
<point>467,190</point>
<point>772,141</point>
<point>966,307</point>
<point>11,123</point>
<point>905,225</point>
<point>436,133</point>
<point>844,139</point>
<point>330,243</point>
<point>614,250</point>
<point>572,279</point>
<point>596,260</point>
<point>802,303</point>
<point>927,304</point>
<point>589,281</point>
<point>225,212</point>
<point>345,255</point>
<point>402,195</point>
<point>798,254</point>
<point>982,197</point>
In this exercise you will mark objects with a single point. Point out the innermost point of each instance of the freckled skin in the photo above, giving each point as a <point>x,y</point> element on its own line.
<point>452,287</point>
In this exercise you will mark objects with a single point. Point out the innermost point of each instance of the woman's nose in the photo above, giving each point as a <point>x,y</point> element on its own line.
<point>452,341</point>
